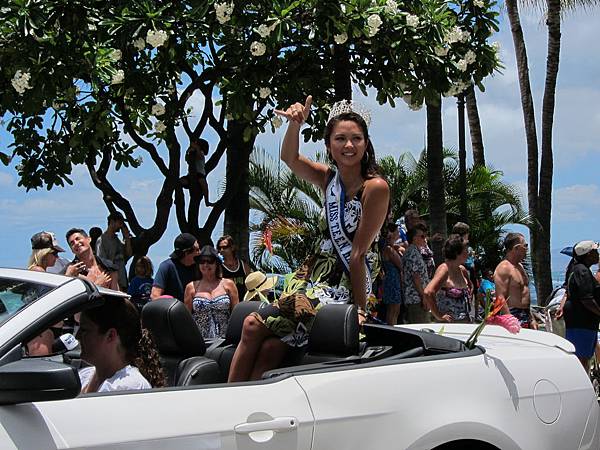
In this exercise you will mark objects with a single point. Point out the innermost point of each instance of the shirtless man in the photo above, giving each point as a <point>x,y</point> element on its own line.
<point>94,268</point>
<point>512,281</point>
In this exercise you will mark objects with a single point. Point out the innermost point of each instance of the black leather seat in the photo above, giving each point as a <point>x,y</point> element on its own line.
<point>222,352</point>
<point>334,334</point>
<point>180,343</point>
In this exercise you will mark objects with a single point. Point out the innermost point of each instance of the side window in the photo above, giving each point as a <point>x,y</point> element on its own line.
<point>16,294</point>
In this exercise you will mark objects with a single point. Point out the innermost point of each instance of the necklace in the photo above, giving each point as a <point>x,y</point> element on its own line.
<point>233,270</point>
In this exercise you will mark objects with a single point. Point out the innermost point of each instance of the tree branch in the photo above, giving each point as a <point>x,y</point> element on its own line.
<point>150,148</point>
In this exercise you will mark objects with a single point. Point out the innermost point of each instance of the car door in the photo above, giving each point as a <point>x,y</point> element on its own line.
<point>272,415</point>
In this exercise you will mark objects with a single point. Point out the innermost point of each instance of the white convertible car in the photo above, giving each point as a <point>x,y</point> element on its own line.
<point>395,388</point>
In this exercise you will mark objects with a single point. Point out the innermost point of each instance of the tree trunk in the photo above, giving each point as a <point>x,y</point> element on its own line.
<point>462,159</point>
<point>475,128</point>
<point>435,179</point>
<point>543,277</point>
<point>530,131</point>
<point>341,73</point>
<point>237,213</point>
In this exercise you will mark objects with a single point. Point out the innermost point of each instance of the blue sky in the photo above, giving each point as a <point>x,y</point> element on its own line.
<point>576,193</point>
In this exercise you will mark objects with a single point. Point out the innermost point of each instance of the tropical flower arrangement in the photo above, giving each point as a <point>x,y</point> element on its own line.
<point>492,317</point>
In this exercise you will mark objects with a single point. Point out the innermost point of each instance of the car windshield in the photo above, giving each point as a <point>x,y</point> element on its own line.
<point>16,294</point>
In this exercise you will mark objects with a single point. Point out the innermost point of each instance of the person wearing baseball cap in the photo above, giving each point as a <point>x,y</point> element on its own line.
<point>44,251</point>
<point>175,273</point>
<point>582,307</point>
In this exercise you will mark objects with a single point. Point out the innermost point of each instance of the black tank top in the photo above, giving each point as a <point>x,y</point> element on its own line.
<point>237,276</point>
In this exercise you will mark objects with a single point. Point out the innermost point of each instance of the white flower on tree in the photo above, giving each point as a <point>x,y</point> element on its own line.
<point>258,48</point>
<point>412,20</point>
<point>479,3</point>
<point>21,81</point>
<point>457,89</point>
<point>277,122</point>
<point>462,65</point>
<point>457,34</point>
<point>264,92</point>
<point>391,7</point>
<point>139,44</point>
<point>340,38</point>
<point>158,110</point>
<point>156,38</point>
<point>223,12</point>
<point>118,77</point>
<point>264,30</point>
<point>116,55</point>
<point>465,35</point>
<point>470,57</point>
<point>441,51</point>
<point>496,47</point>
<point>159,126</point>
<point>374,21</point>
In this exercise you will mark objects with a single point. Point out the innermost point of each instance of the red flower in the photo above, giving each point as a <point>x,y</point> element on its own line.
<point>267,235</point>
<point>506,321</point>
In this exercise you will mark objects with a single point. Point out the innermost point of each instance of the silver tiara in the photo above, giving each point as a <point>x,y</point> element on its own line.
<point>346,106</point>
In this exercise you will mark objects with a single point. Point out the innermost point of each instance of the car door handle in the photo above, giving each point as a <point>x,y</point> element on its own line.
<point>277,424</point>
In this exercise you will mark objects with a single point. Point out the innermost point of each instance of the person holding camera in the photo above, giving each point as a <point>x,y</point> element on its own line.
<point>118,251</point>
<point>96,269</point>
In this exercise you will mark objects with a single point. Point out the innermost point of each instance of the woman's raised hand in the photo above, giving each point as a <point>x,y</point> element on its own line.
<point>297,112</point>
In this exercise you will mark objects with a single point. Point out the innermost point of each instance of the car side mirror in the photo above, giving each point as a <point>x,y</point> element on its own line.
<point>36,380</point>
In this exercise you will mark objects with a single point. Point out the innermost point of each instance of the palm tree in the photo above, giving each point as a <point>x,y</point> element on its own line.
<point>475,128</point>
<point>539,184</point>
<point>435,180</point>
<point>492,204</point>
<point>289,209</point>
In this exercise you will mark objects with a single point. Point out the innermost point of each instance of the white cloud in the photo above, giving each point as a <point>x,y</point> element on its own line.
<point>6,179</point>
<point>576,203</point>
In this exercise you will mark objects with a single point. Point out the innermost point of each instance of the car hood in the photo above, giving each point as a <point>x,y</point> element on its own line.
<point>496,334</point>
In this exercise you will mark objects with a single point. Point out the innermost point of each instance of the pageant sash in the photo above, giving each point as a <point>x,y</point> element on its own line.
<point>335,202</point>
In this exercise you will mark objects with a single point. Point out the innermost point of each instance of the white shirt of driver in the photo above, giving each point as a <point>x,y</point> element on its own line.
<point>125,379</point>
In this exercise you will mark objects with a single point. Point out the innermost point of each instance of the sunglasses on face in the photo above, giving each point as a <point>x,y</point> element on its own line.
<point>207,261</point>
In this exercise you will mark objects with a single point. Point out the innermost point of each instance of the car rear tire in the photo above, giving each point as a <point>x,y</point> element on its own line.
<point>466,444</point>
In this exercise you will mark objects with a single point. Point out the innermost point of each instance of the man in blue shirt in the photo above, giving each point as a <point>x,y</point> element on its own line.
<point>175,273</point>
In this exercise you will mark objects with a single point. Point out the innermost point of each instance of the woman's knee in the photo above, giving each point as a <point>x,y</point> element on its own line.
<point>252,328</point>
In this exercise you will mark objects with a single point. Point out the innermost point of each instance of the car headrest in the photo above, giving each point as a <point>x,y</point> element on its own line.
<point>236,320</point>
<point>335,330</point>
<point>173,328</point>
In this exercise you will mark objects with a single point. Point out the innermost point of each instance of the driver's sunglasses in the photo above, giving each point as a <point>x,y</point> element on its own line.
<point>207,261</point>
<point>223,247</point>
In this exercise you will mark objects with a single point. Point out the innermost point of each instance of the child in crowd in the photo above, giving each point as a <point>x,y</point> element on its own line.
<point>195,156</point>
<point>141,285</point>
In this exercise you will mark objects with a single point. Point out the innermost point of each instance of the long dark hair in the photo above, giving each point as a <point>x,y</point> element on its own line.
<point>368,164</point>
<point>140,350</point>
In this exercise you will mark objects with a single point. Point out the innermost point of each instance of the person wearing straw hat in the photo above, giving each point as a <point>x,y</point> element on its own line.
<point>258,284</point>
